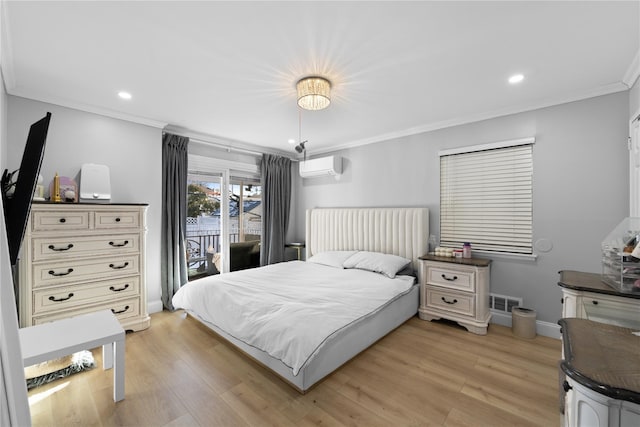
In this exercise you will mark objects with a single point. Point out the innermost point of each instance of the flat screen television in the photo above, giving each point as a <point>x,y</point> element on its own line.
<point>17,195</point>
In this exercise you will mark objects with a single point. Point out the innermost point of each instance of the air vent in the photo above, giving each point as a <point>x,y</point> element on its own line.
<point>503,303</point>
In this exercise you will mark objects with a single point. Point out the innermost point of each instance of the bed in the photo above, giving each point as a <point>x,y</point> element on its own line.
<point>304,319</point>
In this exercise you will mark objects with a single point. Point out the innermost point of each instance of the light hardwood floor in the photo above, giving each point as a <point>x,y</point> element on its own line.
<point>179,373</point>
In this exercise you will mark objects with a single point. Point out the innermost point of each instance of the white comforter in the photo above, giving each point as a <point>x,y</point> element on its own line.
<point>289,309</point>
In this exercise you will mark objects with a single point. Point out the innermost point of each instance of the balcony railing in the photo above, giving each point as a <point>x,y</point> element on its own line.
<point>203,239</point>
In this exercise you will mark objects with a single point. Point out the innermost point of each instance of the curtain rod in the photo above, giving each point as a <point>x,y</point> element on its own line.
<point>230,148</point>
<point>225,147</point>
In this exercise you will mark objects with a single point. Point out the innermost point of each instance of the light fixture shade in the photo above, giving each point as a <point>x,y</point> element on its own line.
<point>314,93</point>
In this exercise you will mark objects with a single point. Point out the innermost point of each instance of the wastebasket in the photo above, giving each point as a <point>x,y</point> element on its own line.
<point>523,322</point>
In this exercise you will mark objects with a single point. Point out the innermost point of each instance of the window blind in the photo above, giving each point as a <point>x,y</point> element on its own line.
<point>486,199</point>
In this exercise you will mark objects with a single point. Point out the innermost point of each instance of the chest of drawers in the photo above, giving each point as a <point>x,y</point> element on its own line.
<point>586,296</point>
<point>81,258</point>
<point>455,289</point>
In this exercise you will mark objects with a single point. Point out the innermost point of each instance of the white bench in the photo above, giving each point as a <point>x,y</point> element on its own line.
<point>66,336</point>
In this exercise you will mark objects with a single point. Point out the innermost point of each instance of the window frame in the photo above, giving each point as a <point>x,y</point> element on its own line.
<point>448,235</point>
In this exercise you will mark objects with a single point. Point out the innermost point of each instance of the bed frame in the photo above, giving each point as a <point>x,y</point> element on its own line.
<point>397,231</point>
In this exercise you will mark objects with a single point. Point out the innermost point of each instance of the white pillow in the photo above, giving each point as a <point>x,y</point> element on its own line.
<point>331,258</point>
<point>386,264</point>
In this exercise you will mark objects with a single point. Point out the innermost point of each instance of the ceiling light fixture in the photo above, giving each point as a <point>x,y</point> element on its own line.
<point>516,78</point>
<point>314,93</point>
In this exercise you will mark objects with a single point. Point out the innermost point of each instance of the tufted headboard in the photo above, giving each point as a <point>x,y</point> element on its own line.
<point>397,231</point>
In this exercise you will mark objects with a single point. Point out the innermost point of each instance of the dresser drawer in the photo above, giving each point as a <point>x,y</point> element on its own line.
<point>62,298</point>
<point>73,271</point>
<point>610,309</point>
<point>63,247</point>
<point>123,309</point>
<point>117,219</point>
<point>451,301</point>
<point>72,220</point>
<point>450,278</point>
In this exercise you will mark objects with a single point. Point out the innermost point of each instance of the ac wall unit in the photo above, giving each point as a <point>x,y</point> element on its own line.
<point>322,166</point>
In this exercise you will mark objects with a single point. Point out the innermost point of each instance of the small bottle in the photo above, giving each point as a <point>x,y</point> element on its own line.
<point>466,250</point>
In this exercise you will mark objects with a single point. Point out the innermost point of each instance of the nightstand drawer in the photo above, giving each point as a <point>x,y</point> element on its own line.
<point>451,301</point>
<point>450,278</point>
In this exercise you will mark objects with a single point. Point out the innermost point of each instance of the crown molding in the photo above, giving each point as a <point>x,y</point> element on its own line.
<point>90,109</point>
<point>633,72</point>
<point>549,102</point>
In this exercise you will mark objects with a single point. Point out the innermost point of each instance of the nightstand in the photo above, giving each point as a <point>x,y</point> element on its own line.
<point>298,247</point>
<point>456,289</point>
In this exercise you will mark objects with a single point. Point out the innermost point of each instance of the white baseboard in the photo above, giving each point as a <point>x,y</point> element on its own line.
<point>542,328</point>
<point>154,306</point>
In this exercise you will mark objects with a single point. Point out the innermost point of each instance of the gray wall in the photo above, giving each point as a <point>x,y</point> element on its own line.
<point>580,186</point>
<point>132,152</point>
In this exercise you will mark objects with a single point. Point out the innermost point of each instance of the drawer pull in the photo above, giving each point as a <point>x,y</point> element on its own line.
<point>111,288</point>
<point>119,245</point>
<point>52,298</point>
<point>451,279</point>
<point>449,302</point>
<point>118,267</point>
<point>53,248</point>
<point>595,302</point>
<point>62,220</point>
<point>126,307</point>
<point>118,219</point>
<point>53,273</point>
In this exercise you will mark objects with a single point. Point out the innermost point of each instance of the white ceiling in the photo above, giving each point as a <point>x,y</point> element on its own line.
<point>228,69</point>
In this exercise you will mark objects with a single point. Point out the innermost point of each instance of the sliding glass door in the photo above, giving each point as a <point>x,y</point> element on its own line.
<point>224,222</point>
<point>245,222</point>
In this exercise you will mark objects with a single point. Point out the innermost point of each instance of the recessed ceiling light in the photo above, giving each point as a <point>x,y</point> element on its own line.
<point>516,78</point>
<point>124,95</point>
<point>291,141</point>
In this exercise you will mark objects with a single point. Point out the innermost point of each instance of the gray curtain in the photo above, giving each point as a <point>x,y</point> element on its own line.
<point>174,216</point>
<point>276,200</point>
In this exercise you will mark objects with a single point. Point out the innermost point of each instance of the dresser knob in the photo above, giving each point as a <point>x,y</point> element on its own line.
<point>119,245</point>
<point>449,302</point>
<point>118,219</point>
<point>594,302</point>
<point>566,386</point>
<point>120,311</point>
<point>52,298</point>
<point>111,288</point>
<point>53,273</point>
<point>62,220</point>
<point>451,279</point>
<point>118,267</point>
<point>53,248</point>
